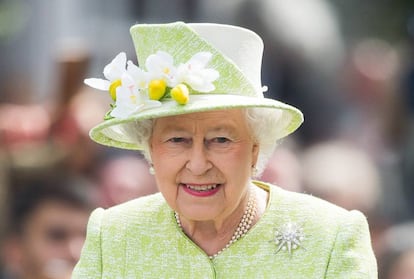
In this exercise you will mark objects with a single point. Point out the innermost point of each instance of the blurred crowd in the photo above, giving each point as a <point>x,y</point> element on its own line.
<point>355,149</point>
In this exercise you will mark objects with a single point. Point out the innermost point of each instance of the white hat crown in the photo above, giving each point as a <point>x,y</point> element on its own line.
<point>244,48</point>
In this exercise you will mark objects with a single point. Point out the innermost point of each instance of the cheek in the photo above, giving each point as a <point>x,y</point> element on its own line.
<point>166,168</point>
<point>244,161</point>
<point>165,161</point>
<point>236,165</point>
<point>243,155</point>
<point>37,250</point>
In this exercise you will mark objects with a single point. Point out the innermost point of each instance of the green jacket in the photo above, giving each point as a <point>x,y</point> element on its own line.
<point>140,239</point>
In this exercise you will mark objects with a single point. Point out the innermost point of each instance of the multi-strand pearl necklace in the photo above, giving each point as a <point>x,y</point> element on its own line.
<point>244,226</point>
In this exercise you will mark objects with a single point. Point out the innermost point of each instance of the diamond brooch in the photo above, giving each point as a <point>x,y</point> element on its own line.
<point>289,237</point>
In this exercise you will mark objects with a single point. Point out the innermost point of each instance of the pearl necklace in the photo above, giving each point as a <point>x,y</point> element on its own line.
<point>244,226</point>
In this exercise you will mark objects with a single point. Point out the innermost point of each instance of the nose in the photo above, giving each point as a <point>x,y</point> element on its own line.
<point>198,159</point>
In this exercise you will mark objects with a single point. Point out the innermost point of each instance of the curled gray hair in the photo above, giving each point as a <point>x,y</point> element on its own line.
<point>263,123</point>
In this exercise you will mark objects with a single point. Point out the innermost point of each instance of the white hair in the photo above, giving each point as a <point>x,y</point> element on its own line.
<point>263,123</point>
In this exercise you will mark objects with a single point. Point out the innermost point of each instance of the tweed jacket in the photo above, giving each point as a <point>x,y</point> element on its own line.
<point>141,239</point>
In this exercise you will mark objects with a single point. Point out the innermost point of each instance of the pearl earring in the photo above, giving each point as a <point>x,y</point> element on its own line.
<point>151,170</point>
<point>254,171</point>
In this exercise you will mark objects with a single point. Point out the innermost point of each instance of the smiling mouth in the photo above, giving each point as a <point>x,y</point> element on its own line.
<point>201,188</point>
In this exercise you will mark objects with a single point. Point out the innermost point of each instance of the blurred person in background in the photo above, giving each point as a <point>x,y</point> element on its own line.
<point>396,254</point>
<point>75,109</point>
<point>47,225</point>
<point>304,52</point>
<point>345,175</point>
<point>22,124</point>
<point>407,151</point>
<point>55,129</point>
<point>284,169</point>
<point>123,177</point>
<point>375,119</point>
<point>4,199</point>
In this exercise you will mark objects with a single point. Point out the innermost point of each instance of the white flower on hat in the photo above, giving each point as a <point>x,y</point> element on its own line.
<point>194,73</point>
<point>161,66</point>
<point>113,73</point>
<point>134,89</point>
<point>136,76</point>
<point>131,99</point>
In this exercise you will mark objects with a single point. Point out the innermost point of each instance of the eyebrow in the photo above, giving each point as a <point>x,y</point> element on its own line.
<point>178,128</point>
<point>229,128</point>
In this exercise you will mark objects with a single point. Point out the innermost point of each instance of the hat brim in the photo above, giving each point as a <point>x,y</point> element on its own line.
<point>114,133</point>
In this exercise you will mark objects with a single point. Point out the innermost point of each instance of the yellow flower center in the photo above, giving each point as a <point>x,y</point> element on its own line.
<point>166,70</point>
<point>142,84</point>
<point>156,89</point>
<point>112,88</point>
<point>180,94</point>
<point>133,99</point>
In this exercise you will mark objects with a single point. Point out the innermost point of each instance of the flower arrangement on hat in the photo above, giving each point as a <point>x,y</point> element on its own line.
<point>133,89</point>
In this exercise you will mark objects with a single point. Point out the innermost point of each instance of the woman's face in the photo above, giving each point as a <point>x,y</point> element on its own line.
<point>203,162</point>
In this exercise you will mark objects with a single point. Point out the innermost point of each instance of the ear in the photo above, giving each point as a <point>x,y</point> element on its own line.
<point>147,151</point>
<point>255,153</point>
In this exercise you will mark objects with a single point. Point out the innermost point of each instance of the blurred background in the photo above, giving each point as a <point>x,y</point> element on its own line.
<point>348,65</point>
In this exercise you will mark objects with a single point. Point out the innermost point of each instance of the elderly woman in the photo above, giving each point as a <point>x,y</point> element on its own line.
<point>196,109</point>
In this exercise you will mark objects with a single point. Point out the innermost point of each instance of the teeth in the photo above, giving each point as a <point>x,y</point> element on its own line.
<point>202,188</point>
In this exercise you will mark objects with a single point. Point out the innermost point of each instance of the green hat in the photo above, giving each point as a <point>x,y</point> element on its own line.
<point>185,68</point>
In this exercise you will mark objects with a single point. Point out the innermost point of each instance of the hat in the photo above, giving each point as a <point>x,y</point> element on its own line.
<point>185,68</point>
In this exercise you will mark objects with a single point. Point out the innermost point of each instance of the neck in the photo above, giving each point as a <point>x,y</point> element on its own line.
<point>219,226</point>
<point>214,236</point>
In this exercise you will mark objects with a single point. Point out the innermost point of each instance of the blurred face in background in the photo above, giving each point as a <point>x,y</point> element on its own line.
<point>51,241</point>
<point>123,179</point>
<point>404,267</point>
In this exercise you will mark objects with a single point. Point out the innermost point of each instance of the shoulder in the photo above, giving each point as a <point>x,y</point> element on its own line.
<point>145,203</point>
<point>318,214</point>
<point>305,202</point>
<point>137,210</point>
<point>325,214</point>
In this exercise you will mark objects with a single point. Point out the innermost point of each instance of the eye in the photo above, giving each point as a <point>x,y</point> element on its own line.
<point>56,234</point>
<point>179,140</point>
<point>220,140</point>
<point>176,139</point>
